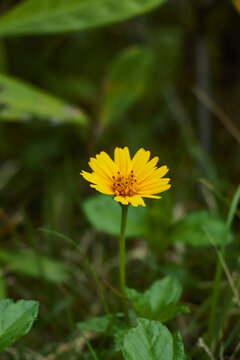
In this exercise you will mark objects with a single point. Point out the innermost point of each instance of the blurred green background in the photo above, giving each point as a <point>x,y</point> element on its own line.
<point>78,77</point>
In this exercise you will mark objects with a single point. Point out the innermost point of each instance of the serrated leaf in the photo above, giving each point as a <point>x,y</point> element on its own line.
<point>20,101</point>
<point>159,302</point>
<point>190,230</point>
<point>150,340</point>
<point>32,264</point>
<point>122,92</point>
<point>16,319</point>
<point>47,16</point>
<point>104,214</point>
<point>178,348</point>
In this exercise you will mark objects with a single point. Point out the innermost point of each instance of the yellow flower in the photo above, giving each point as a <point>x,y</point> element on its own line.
<point>128,179</point>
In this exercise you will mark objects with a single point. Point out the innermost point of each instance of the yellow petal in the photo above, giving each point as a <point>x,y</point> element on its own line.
<point>122,160</point>
<point>128,162</point>
<point>148,169</point>
<point>103,189</point>
<point>95,179</point>
<point>100,169</point>
<point>109,163</point>
<point>122,200</point>
<point>145,185</point>
<point>151,196</point>
<point>154,174</point>
<point>155,190</point>
<point>139,160</point>
<point>162,171</point>
<point>136,200</point>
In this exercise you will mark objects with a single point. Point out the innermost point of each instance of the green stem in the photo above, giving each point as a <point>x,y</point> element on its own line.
<point>122,261</point>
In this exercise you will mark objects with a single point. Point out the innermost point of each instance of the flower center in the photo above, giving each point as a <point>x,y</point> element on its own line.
<point>124,186</point>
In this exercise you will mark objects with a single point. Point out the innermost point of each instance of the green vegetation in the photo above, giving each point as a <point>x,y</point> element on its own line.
<point>81,76</point>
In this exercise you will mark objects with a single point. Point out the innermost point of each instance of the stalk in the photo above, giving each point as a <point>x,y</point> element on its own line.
<point>122,261</point>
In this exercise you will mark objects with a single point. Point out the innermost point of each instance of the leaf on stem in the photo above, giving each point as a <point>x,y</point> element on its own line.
<point>16,320</point>
<point>151,340</point>
<point>160,301</point>
<point>44,17</point>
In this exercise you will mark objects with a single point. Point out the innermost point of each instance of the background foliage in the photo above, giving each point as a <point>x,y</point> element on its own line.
<point>81,76</point>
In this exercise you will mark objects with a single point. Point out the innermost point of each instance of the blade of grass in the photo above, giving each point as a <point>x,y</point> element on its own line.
<point>218,274</point>
<point>90,348</point>
<point>85,258</point>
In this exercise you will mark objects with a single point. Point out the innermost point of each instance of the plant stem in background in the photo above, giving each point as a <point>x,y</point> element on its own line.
<point>122,260</point>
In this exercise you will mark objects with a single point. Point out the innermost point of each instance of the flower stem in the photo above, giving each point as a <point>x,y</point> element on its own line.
<point>122,261</point>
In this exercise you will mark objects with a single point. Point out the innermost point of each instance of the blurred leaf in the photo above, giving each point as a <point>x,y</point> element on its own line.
<point>151,340</point>
<point>32,264</point>
<point>171,311</point>
<point>104,214</point>
<point>159,302</point>
<point>126,82</point>
<point>22,102</point>
<point>16,320</point>
<point>37,17</point>
<point>190,229</point>
<point>98,324</point>
<point>106,324</point>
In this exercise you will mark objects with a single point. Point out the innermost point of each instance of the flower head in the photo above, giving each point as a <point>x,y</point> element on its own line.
<point>128,179</point>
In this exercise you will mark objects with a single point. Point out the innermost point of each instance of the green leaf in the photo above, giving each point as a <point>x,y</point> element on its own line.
<point>106,324</point>
<point>151,340</point>
<point>16,319</point>
<point>104,214</point>
<point>22,102</point>
<point>32,264</point>
<point>98,324</point>
<point>170,311</point>
<point>178,348</point>
<point>122,92</point>
<point>38,17</point>
<point>190,230</point>
<point>159,302</point>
